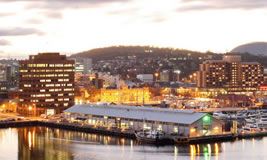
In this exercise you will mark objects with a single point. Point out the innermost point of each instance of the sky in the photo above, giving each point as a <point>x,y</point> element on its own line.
<point>71,26</point>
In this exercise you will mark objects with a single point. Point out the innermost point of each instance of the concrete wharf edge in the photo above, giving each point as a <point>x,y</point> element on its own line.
<point>117,133</point>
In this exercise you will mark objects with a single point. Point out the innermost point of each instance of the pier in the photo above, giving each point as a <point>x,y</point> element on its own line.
<point>128,134</point>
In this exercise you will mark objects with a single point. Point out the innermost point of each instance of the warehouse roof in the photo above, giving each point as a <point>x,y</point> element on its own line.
<point>139,113</point>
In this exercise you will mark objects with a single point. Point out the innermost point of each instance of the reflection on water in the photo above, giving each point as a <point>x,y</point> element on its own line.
<point>50,144</point>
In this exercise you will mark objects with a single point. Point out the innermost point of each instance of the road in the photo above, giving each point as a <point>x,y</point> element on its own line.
<point>4,116</point>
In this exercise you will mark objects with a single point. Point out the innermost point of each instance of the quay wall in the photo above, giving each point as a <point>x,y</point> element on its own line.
<point>72,127</point>
<point>119,133</point>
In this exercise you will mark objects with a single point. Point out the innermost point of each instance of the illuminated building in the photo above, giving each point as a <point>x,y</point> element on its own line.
<point>83,65</point>
<point>230,73</point>
<point>84,79</point>
<point>46,84</point>
<point>165,76</point>
<point>213,74</point>
<point>6,85</point>
<point>182,122</point>
<point>252,75</point>
<point>126,95</point>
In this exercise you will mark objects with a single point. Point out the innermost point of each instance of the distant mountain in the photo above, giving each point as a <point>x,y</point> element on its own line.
<point>139,51</point>
<point>255,48</point>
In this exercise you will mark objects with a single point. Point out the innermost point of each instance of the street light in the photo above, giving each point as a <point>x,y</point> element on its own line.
<point>178,74</point>
<point>156,75</point>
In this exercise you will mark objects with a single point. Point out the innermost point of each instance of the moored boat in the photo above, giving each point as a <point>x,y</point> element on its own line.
<point>150,136</point>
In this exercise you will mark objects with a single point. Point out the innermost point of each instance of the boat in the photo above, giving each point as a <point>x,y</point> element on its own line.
<point>180,140</point>
<point>263,120</point>
<point>248,128</point>
<point>220,115</point>
<point>150,136</point>
<point>250,120</point>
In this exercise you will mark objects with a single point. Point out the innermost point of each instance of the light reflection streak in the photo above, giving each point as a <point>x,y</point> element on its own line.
<point>131,142</point>
<point>216,151</point>
<point>243,144</point>
<point>224,148</point>
<point>33,139</point>
<point>175,152</point>
<point>30,140</point>
<point>198,150</point>
<point>253,142</point>
<point>193,151</point>
<point>207,152</point>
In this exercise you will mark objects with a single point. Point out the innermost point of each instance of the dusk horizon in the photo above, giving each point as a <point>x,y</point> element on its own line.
<point>66,26</point>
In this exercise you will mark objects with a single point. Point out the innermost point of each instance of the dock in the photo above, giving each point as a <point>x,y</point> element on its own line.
<point>127,134</point>
<point>252,135</point>
<point>68,126</point>
<point>212,138</point>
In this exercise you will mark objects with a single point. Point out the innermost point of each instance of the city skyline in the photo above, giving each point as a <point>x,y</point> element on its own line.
<point>66,26</point>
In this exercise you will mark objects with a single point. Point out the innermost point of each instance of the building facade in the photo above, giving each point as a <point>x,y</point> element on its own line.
<point>230,73</point>
<point>125,95</point>
<point>46,84</point>
<point>83,65</point>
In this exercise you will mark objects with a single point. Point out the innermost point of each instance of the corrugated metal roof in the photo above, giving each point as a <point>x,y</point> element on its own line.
<point>139,113</point>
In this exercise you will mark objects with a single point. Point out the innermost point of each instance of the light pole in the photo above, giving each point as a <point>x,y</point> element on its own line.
<point>178,74</point>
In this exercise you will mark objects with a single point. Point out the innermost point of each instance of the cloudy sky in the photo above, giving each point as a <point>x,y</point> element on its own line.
<point>70,26</point>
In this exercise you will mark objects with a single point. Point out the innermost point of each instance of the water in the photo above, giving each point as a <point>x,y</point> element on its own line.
<point>40,143</point>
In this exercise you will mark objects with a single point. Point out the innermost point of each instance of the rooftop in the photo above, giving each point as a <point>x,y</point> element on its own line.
<point>139,113</point>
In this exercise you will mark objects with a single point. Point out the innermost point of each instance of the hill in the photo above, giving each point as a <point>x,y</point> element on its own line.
<point>149,59</point>
<point>255,48</point>
<point>139,51</point>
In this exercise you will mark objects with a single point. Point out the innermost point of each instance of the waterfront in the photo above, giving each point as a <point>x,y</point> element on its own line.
<point>46,143</point>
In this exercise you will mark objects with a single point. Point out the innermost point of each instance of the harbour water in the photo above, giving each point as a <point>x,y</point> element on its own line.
<point>41,143</point>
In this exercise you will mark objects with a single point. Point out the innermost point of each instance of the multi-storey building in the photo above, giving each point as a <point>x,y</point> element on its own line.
<point>46,84</point>
<point>230,73</point>
<point>252,75</point>
<point>6,85</point>
<point>9,72</point>
<point>83,65</point>
<point>213,74</point>
<point>126,95</point>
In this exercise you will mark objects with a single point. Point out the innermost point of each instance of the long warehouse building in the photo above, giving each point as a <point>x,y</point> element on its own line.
<point>181,122</point>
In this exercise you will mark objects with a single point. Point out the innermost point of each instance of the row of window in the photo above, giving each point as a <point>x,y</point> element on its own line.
<point>46,75</point>
<point>50,65</point>
<point>47,70</point>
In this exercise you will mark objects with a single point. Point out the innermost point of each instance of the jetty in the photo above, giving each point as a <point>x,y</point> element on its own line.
<point>128,134</point>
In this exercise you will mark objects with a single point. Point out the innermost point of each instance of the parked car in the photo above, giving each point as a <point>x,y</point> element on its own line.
<point>11,119</point>
<point>20,118</point>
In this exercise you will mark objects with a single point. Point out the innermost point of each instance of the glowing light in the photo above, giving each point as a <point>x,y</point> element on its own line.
<point>30,140</point>
<point>206,118</point>
<point>216,149</point>
<point>175,151</point>
<point>192,130</point>
<point>192,151</point>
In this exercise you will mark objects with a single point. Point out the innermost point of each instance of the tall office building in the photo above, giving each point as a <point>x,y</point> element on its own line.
<point>230,73</point>
<point>46,84</point>
<point>83,65</point>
